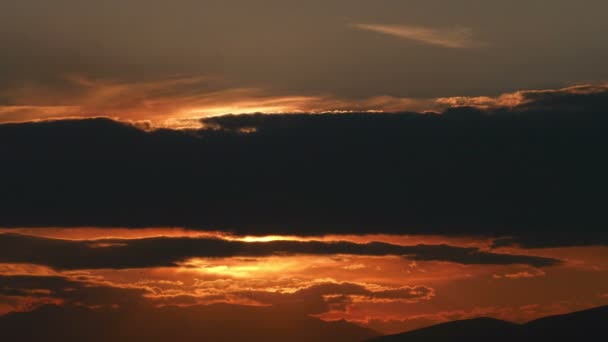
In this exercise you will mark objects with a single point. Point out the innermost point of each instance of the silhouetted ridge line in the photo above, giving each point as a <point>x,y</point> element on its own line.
<point>573,327</point>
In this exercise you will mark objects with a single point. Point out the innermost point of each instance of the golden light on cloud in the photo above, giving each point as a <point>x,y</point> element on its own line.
<point>330,171</point>
<point>518,98</point>
<point>241,268</point>
<point>181,102</point>
<point>92,233</point>
<point>362,289</point>
<point>389,293</point>
<point>176,102</point>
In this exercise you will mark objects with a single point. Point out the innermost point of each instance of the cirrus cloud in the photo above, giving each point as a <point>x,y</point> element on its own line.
<point>455,38</point>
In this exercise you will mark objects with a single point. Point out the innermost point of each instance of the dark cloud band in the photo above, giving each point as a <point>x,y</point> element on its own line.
<point>156,252</point>
<point>534,169</point>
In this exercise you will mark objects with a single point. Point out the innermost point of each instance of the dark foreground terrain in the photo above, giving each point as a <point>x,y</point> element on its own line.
<point>230,323</point>
<point>588,325</point>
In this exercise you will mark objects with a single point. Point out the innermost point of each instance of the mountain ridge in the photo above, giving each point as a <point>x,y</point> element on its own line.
<point>569,326</point>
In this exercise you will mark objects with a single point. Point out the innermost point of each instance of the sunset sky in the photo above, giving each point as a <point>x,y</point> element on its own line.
<point>394,163</point>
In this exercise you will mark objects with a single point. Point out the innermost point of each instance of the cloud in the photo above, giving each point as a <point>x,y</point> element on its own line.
<point>23,293</point>
<point>520,275</point>
<point>157,252</point>
<point>526,171</point>
<point>174,102</point>
<point>27,292</point>
<point>559,239</point>
<point>457,38</point>
<point>575,98</point>
<point>322,297</point>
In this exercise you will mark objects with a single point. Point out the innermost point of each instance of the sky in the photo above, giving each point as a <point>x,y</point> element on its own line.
<point>316,171</point>
<point>159,61</point>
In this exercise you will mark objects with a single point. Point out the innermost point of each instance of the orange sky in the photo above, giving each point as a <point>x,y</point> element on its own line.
<point>421,292</point>
<point>179,101</point>
<point>473,119</point>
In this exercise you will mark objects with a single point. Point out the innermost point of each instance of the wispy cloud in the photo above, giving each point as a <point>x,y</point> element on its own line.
<point>523,98</point>
<point>176,102</point>
<point>456,38</point>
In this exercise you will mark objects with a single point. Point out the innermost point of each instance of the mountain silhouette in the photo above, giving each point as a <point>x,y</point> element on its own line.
<point>220,322</point>
<point>223,323</point>
<point>574,326</point>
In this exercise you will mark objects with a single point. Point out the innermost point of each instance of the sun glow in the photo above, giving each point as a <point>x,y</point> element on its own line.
<point>268,238</point>
<point>243,268</point>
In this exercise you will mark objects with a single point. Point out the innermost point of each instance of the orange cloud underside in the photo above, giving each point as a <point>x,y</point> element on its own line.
<point>420,292</point>
<point>89,233</point>
<point>181,101</point>
<point>175,102</point>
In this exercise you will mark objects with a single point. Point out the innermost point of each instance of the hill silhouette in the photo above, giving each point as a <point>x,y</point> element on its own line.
<point>223,322</point>
<point>573,326</point>
<point>219,322</point>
